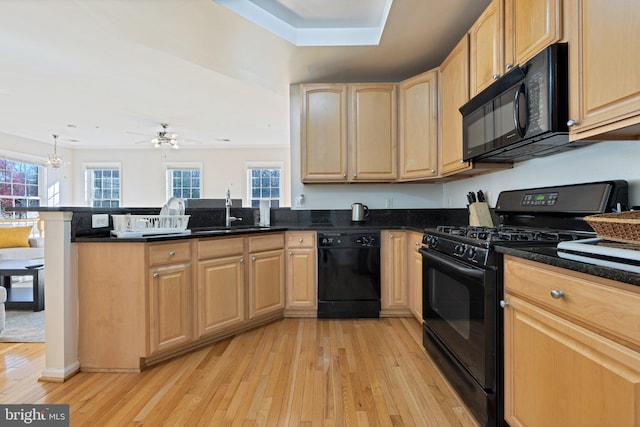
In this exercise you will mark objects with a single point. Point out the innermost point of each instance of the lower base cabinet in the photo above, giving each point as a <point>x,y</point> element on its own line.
<point>571,359</point>
<point>144,302</point>
<point>170,302</point>
<point>414,269</point>
<point>302,272</point>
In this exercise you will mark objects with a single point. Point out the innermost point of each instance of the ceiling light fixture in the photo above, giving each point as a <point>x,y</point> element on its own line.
<point>55,160</point>
<point>165,138</point>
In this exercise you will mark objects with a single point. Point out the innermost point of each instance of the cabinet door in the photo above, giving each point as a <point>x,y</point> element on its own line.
<point>454,92</point>
<point>372,132</point>
<point>301,279</point>
<point>170,303</point>
<point>559,374</point>
<point>486,47</point>
<point>324,133</point>
<point>606,42</point>
<point>221,300</point>
<point>394,292</point>
<point>266,283</point>
<point>530,26</point>
<point>418,127</point>
<point>414,242</point>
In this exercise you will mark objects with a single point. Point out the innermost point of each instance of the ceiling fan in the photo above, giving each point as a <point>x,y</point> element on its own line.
<point>162,138</point>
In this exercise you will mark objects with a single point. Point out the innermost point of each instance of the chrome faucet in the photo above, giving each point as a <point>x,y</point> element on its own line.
<point>228,217</point>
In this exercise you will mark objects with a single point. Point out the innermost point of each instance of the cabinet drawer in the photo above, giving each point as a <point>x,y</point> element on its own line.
<point>266,242</point>
<point>218,247</point>
<point>301,239</point>
<point>169,253</point>
<point>593,303</point>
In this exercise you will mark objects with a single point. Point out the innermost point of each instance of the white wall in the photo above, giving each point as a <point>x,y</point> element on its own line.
<point>27,150</point>
<point>598,162</point>
<point>143,172</point>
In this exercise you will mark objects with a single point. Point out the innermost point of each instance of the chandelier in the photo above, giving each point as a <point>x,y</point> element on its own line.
<point>165,138</point>
<point>55,160</point>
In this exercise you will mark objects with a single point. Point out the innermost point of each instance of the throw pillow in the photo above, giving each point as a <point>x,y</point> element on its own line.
<point>15,237</point>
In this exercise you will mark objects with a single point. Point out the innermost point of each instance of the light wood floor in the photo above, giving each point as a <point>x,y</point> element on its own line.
<point>293,372</point>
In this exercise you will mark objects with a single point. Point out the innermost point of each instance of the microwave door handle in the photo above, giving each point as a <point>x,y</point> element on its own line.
<point>473,272</point>
<point>522,130</point>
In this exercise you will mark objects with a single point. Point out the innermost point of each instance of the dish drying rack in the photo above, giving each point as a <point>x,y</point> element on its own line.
<point>133,226</point>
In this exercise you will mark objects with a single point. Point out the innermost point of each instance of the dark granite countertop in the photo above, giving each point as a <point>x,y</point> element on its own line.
<point>549,255</point>
<point>232,231</point>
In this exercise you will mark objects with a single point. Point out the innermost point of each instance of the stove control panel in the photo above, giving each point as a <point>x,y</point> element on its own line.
<point>464,252</point>
<point>540,199</point>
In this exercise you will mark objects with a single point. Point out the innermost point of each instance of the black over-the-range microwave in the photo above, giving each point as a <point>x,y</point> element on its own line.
<point>523,114</point>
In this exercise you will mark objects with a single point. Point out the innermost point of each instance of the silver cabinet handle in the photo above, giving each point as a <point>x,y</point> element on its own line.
<point>290,252</point>
<point>572,122</point>
<point>355,174</point>
<point>556,294</point>
<point>241,260</point>
<point>508,66</point>
<point>504,304</point>
<point>156,274</point>
<point>301,240</point>
<point>172,253</point>
<point>253,258</point>
<point>433,171</point>
<point>344,175</point>
<point>417,243</point>
<point>495,76</point>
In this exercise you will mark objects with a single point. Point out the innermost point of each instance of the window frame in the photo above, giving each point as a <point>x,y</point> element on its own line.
<point>172,166</point>
<point>249,166</point>
<point>42,186</point>
<point>88,179</point>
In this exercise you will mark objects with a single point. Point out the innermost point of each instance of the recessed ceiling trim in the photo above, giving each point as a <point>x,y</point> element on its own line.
<point>360,36</point>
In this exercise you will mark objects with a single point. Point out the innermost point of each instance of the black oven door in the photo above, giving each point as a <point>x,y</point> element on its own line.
<point>459,309</point>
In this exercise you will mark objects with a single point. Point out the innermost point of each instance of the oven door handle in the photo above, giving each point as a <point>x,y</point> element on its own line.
<point>459,268</point>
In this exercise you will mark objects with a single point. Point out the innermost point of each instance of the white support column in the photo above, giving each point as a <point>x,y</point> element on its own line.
<point>61,298</point>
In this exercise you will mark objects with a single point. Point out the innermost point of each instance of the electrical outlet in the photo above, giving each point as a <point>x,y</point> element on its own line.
<point>99,220</point>
<point>389,203</point>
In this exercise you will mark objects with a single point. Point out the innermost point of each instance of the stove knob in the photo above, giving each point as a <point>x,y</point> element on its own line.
<point>459,250</point>
<point>471,252</point>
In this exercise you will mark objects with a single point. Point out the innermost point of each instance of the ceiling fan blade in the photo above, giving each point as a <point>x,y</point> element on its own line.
<point>143,134</point>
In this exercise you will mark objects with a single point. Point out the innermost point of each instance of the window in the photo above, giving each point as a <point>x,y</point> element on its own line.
<point>183,182</point>
<point>263,184</point>
<point>103,186</point>
<point>19,186</point>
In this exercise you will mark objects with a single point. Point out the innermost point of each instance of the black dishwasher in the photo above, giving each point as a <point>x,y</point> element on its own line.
<point>348,274</point>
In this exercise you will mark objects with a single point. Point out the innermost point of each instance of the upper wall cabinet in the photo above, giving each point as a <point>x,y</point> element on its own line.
<point>604,68</point>
<point>373,132</point>
<point>348,133</point>
<point>323,128</point>
<point>529,26</point>
<point>454,92</point>
<point>418,127</point>
<point>486,51</point>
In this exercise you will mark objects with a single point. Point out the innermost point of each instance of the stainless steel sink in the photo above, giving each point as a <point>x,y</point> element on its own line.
<point>228,230</point>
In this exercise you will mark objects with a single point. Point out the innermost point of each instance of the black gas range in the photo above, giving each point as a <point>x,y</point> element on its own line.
<point>462,281</point>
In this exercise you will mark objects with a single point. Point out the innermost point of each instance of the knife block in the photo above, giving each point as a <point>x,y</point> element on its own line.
<point>479,214</point>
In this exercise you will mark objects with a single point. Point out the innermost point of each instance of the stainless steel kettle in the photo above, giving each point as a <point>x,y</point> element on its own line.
<point>359,212</point>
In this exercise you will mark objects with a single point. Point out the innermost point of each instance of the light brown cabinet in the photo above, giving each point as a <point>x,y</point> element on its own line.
<point>348,132</point>
<point>143,302</point>
<point>266,275</point>
<point>571,348</point>
<point>603,70</point>
<point>170,296</point>
<point>323,133</point>
<point>394,298</point>
<point>486,38</point>
<point>529,27</point>
<point>453,91</point>
<point>418,127</point>
<point>414,273</point>
<point>221,290</point>
<point>301,266</point>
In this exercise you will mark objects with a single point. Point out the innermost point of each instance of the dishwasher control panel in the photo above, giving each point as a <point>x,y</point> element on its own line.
<point>348,239</point>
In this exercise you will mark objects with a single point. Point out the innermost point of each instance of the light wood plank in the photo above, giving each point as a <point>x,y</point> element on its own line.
<point>304,372</point>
